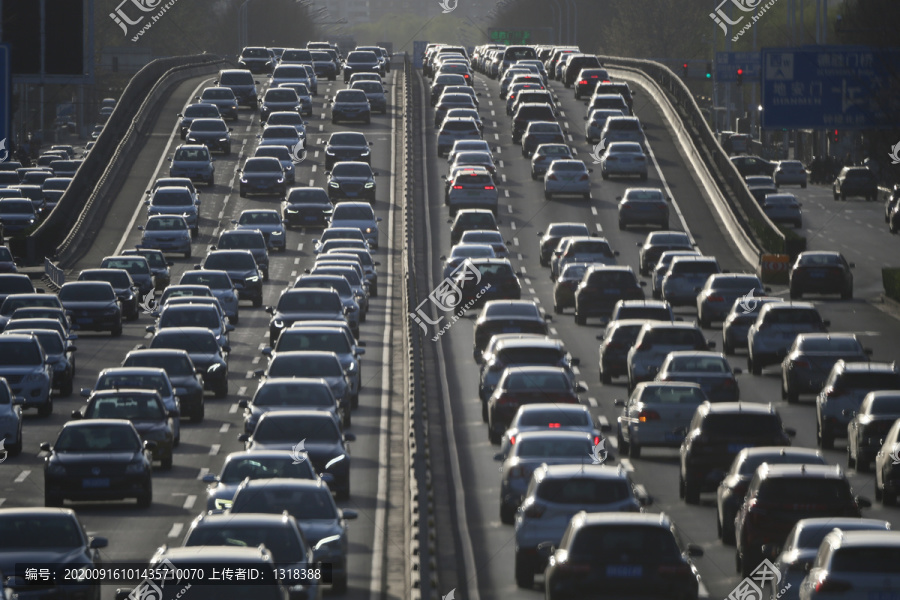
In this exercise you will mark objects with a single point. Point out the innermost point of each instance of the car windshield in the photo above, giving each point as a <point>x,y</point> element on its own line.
<point>215,281</point>
<point>736,283</point>
<point>275,428</point>
<point>539,356</point>
<point>611,544</point>
<point>166,224</point>
<point>741,424</point>
<point>126,406</point>
<point>303,503</point>
<point>349,169</point>
<point>472,251</point>
<point>50,342</point>
<point>806,490</point>
<point>238,469</point>
<point>305,300</point>
<point>263,165</point>
<point>97,438</point>
<point>611,279</point>
<point>343,212</point>
<point>371,87</point>
<point>240,240</point>
<point>87,292</point>
<point>459,125</point>
<point>255,53</point>
<point>694,364</point>
<point>865,380</point>
<point>192,343</point>
<point>153,381</point>
<point>292,119</point>
<point>879,559</point>
<point>175,365</point>
<point>587,490</point>
<point>16,207</point>
<point>277,132</point>
<point>230,261</point>
<point>36,532</point>
<point>192,154</point>
<point>190,316</point>
<point>347,139</point>
<point>816,260</point>
<point>537,382</point>
<point>177,197</point>
<point>326,342</point>
<point>590,247</point>
<point>793,316</point>
<point>674,336</point>
<point>200,111</point>
<point>260,217</point>
<point>350,96</point>
<point>20,353</point>
<point>280,95</point>
<point>300,395</point>
<point>749,466</point>
<point>289,72</point>
<point>825,344</point>
<point>554,417</point>
<point>305,366</point>
<point>669,394</point>
<point>135,266</point>
<point>115,277</point>
<point>281,539</point>
<point>551,447</point>
<point>209,125</point>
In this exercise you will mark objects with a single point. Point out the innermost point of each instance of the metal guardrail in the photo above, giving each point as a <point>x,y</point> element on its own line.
<point>54,273</point>
<point>764,233</point>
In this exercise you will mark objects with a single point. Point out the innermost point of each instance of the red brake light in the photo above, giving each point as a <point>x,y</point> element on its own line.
<point>716,299</point>
<point>553,425</point>
<point>457,187</point>
<point>582,82</point>
<point>596,439</point>
<point>551,176</point>
<point>801,364</point>
<point>832,585</point>
<point>512,440</point>
<point>676,570</point>
<point>488,187</point>
<point>584,177</point>
<point>594,76</point>
<point>648,415</point>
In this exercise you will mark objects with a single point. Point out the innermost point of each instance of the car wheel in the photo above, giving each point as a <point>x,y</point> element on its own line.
<point>796,293</point>
<point>484,411</point>
<point>643,177</point>
<point>524,572</point>
<point>227,150</point>
<point>579,320</point>
<point>557,309</point>
<point>727,346</point>
<point>354,401</point>
<point>621,226</point>
<point>586,196</point>
<point>605,176</point>
<point>16,449</point>
<point>803,185</point>
<point>605,377</point>
<point>752,366</point>
<point>146,497</point>
<point>547,195</point>
<point>680,486</point>
<point>195,232</point>
<point>52,500</point>
<point>236,319</point>
<point>790,394</point>
<point>266,275</point>
<point>862,466</point>
<point>728,531</point>
<point>201,412</point>
<point>704,322</point>
<point>373,291</point>
<point>826,440</point>
<point>166,463</point>
<point>851,462</point>
<point>368,120</point>
<point>888,497</point>
<point>116,331</point>
<point>843,197</point>
<point>346,419</point>
<point>507,514</point>
<point>691,493</point>
<point>634,450</point>
<point>65,389</point>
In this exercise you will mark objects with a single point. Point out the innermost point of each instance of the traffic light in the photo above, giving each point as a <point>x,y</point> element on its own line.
<point>709,70</point>
<point>684,69</point>
<point>836,137</point>
<point>740,76</point>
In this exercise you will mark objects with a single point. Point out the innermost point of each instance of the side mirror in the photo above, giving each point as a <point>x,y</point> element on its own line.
<point>76,414</point>
<point>852,265</point>
<point>360,351</point>
<point>868,351</point>
<point>349,514</point>
<point>826,323</point>
<point>590,170</point>
<point>150,328</point>
<point>545,550</point>
<point>210,478</point>
<point>196,266</point>
<point>267,351</point>
<point>349,437</point>
<point>694,551</point>
<point>85,392</point>
<point>863,502</point>
<point>499,457</point>
<point>243,403</point>
<point>790,432</point>
<point>140,227</point>
<point>226,347</point>
<point>146,203</point>
<point>244,437</point>
<point>229,328</point>
<point>737,371</point>
<point>149,445</point>
<point>619,402</point>
<point>642,283</point>
<point>546,317</point>
<point>575,361</point>
<point>711,345</point>
<point>270,309</point>
<point>258,373</point>
<point>98,542</point>
<point>580,389</point>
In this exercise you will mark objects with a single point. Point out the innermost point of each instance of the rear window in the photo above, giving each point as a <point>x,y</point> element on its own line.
<point>611,279</point>
<point>554,416</point>
<point>623,124</point>
<point>805,490</point>
<point>737,424</point>
<point>674,337</point>
<point>512,310</point>
<point>465,125</point>
<point>665,394</point>
<point>236,79</point>
<point>821,344</point>
<point>545,382</point>
<point>694,266</point>
<point>749,466</point>
<point>15,353</point>
<point>870,381</point>
<point>590,247</point>
<point>546,447</point>
<point>350,96</point>
<point>531,356</point>
<point>583,491</point>
<point>794,316</point>
<point>612,544</point>
<point>876,559</point>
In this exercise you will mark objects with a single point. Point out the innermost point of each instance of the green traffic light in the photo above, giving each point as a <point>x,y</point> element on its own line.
<point>709,75</point>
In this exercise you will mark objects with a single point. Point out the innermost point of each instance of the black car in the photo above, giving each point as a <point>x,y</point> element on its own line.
<point>555,232</point>
<point>48,536</point>
<point>715,436</point>
<point>222,98</point>
<point>93,306</point>
<point>347,145</point>
<point>495,280</point>
<point>246,239</point>
<point>528,112</point>
<point>602,287</point>
<point>136,265</point>
<point>60,355</point>
<point>126,291</point>
<point>362,62</point>
<point>98,459</point>
<point>306,207</point>
<point>205,352</point>
<point>242,84</point>
<point>324,65</point>
<point>658,242</point>
<point>13,302</point>
<point>469,219</point>
<point>243,270</point>
<point>823,273</point>
<point>304,304</point>
<point>201,110</point>
<point>322,437</point>
<point>507,316</point>
<point>256,60</point>
<point>185,378</point>
<point>753,165</point>
<point>262,175</point>
<point>212,133</point>
<point>14,283</point>
<point>351,105</point>
<point>352,180</point>
<point>16,215</point>
<point>277,100</point>
<point>159,265</point>
<point>855,181</point>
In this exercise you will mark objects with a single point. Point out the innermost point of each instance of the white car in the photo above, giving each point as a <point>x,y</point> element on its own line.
<point>624,158</point>
<point>569,177</point>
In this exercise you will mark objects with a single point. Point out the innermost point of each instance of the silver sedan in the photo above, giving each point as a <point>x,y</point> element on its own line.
<point>567,177</point>
<point>624,158</point>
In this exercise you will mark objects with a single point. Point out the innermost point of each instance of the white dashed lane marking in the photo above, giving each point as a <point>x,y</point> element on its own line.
<point>176,530</point>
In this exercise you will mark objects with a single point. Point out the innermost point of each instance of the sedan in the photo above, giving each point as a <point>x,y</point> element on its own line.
<point>279,99</point>
<point>790,172</point>
<point>466,113</point>
<point>624,158</point>
<point>304,305</point>
<point>171,200</point>
<point>267,222</point>
<point>541,132</point>
<point>375,95</point>
<point>194,162</point>
<point>289,393</point>
<point>243,270</point>
<point>351,105</point>
<point>870,426</point>
<point>566,284</point>
<point>98,459</point>
<point>855,181</point>
<point>350,180</point>
<point>644,206</point>
<point>656,415</point>
<point>545,154</point>
<point>150,379</point>
<point>347,145</point>
<point>358,215</point>
<point>125,288</point>
<point>200,111</point>
<point>306,206</point>
<point>212,133</point>
<point>207,353</point>
<point>222,98</point>
<point>280,135</point>
<point>16,215</point>
<point>263,175</point>
<point>810,359</point>
<point>183,377</point>
<point>718,294</point>
<point>567,177</point>
<point>93,306</point>
<point>783,208</point>
<point>462,252</point>
<point>710,370</point>
<point>596,121</point>
<point>822,272</point>
<point>10,420</point>
<point>549,239</point>
<point>487,236</point>
<point>167,233</point>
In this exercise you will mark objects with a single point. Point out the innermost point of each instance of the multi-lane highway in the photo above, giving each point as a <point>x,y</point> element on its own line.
<point>524,212</point>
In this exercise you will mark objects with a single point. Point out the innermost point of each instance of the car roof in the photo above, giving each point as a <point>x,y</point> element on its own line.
<point>556,434</point>
<point>215,554</point>
<point>537,342</point>
<point>605,472</point>
<point>864,367</point>
<point>666,384</point>
<point>798,451</point>
<point>535,369</point>
<point>771,471</point>
<point>619,518</point>
<point>738,407</point>
<point>844,539</point>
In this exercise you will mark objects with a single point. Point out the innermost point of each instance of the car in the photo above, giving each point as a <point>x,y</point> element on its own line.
<point>144,409</point>
<point>542,417</point>
<point>212,133</point>
<point>857,560</point>
<point>643,206</point>
<point>10,420</point>
<point>855,181</point>
<point>869,427</point>
<point>541,132</point>
<point>567,177</point>
<point>306,206</point>
<point>656,414</point>
<point>59,355</point>
<point>159,266</point>
<point>246,239</point>
<point>311,80</point>
<point>361,62</point>
<point>256,60</point>
<point>601,287</point>
<point>310,503</point>
<point>622,129</point>
<point>775,328</point>
<point>587,80</point>
<point>15,301</point>
<point>843,393</point>
<point>324,65</point>
<point>365,77</point>
<point>137,265</point>
<point>279,99</point>
<point>16,215</point>
<point>351,271</point>
<point>193,161</point>
<point>459,68</point>
<point>566,284</point>
<point>347,146</point>
<point>126,291</point>
<point>654,342</point>
<point>521,385</point>
<point>887,473</point>
<point>288,117</point>
<point>710,370</point>
<point>48,536</point>
<point>216,283</point>
<point>595,121</point>
<point>630,546</point>
<point>184,379</point>
<point>624,158</point>
<point>478,145</point>
<point>295,56</point>
<point>799,550</point>
<point>243,270</point>
<point>555,232</point>
<point>471,187</point>
<point>207,109</point>
<point>441,81</point>
<point>176,201</point>
<point>167,233</point>
<point>204,348</point>
<point>780,495</point>
<point>686,277</point>
<point>590,249</point>
<point>825,272</point>
<point>658,242</point>
<point>655,310</point>
<point>304,305</point>
<point>506,316</point>
<point>351,105</point>
<point>266,221</point>
<point>546,507</point>
<point>281,135</point>
<point>731,491</point>
<point>721,290</point>
<point>473,158</point>
<point>35,193</point>
<point>460,253</point>
<point>740,318</point>
<point>321,437</point>
<point>359,215</point>
<point>468,220</point>
<point>528,112</point>
<point>351,179</point>
<point>365,260</point>
<point>607,101</point>
<point>304,96</point>
<point>375,94</point>
<point>455,129</point>
<point>332,234</point>
<point>810,359</point>
<point>54,188</point>
<point>98,459</point>
<point>290,393</point>
<point>352,296</point>
<point>521,352</point>
<point>753,165</point>
<point>94,306</point>
<point>491,237</point>
<point>716,434</point>
<point>483,279</point>
<point>615,342</point>
<point>289,73</point>
<point>790,172</point>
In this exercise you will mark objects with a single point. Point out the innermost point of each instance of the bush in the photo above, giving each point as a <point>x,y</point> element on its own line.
<point>890,278</point>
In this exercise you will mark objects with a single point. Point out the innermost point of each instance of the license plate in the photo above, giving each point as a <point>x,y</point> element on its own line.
<point>100,482</point>
<point>511,330</point>
<point>624,571</point>
<point>84,320</point>
<point>816,275</point>
<point>737,447</point>
<point>472,193</point>
<point>673,437</point>
<point>310,218</point>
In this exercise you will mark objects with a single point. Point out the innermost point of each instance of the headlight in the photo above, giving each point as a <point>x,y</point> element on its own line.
<point>328,545</point>
<point>278,231</point>
<point>334,184</point>
<point>253,278</point>
<point>223,504</point>
<point>280,180</point>
<point>223,139</point>
<point>56,470</point>
<point>278,323</point>
<point>370,185</point>
<point>365,152</point>
<point>329,152</point>
<point>214,366</point>
<point>243,180</point>
<point>368,230</point>
<point>135,468</point>
<point>351,368</point>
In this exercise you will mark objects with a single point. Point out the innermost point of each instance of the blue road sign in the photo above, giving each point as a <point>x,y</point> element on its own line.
<point>825,87</point>
<point>5,96</point>
<point>727,64</point>
<point>418,53</point>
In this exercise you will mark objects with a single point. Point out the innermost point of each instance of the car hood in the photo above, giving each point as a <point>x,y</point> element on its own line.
<point>319,452</point>
<point>345,180</point>
<point>207,135</point>
<point>356,150</point>
<point>93,458</point>
<point>318,529</point>
<point>87,304</point>
<point>183,384</point>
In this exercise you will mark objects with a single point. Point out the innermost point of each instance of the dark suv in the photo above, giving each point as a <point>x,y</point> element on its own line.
<point>242,84</point>
<point>715,436</point>
<point>781,495</point>
<point>602,287</point>
<point>527,113</point>
<point>855,181</point>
